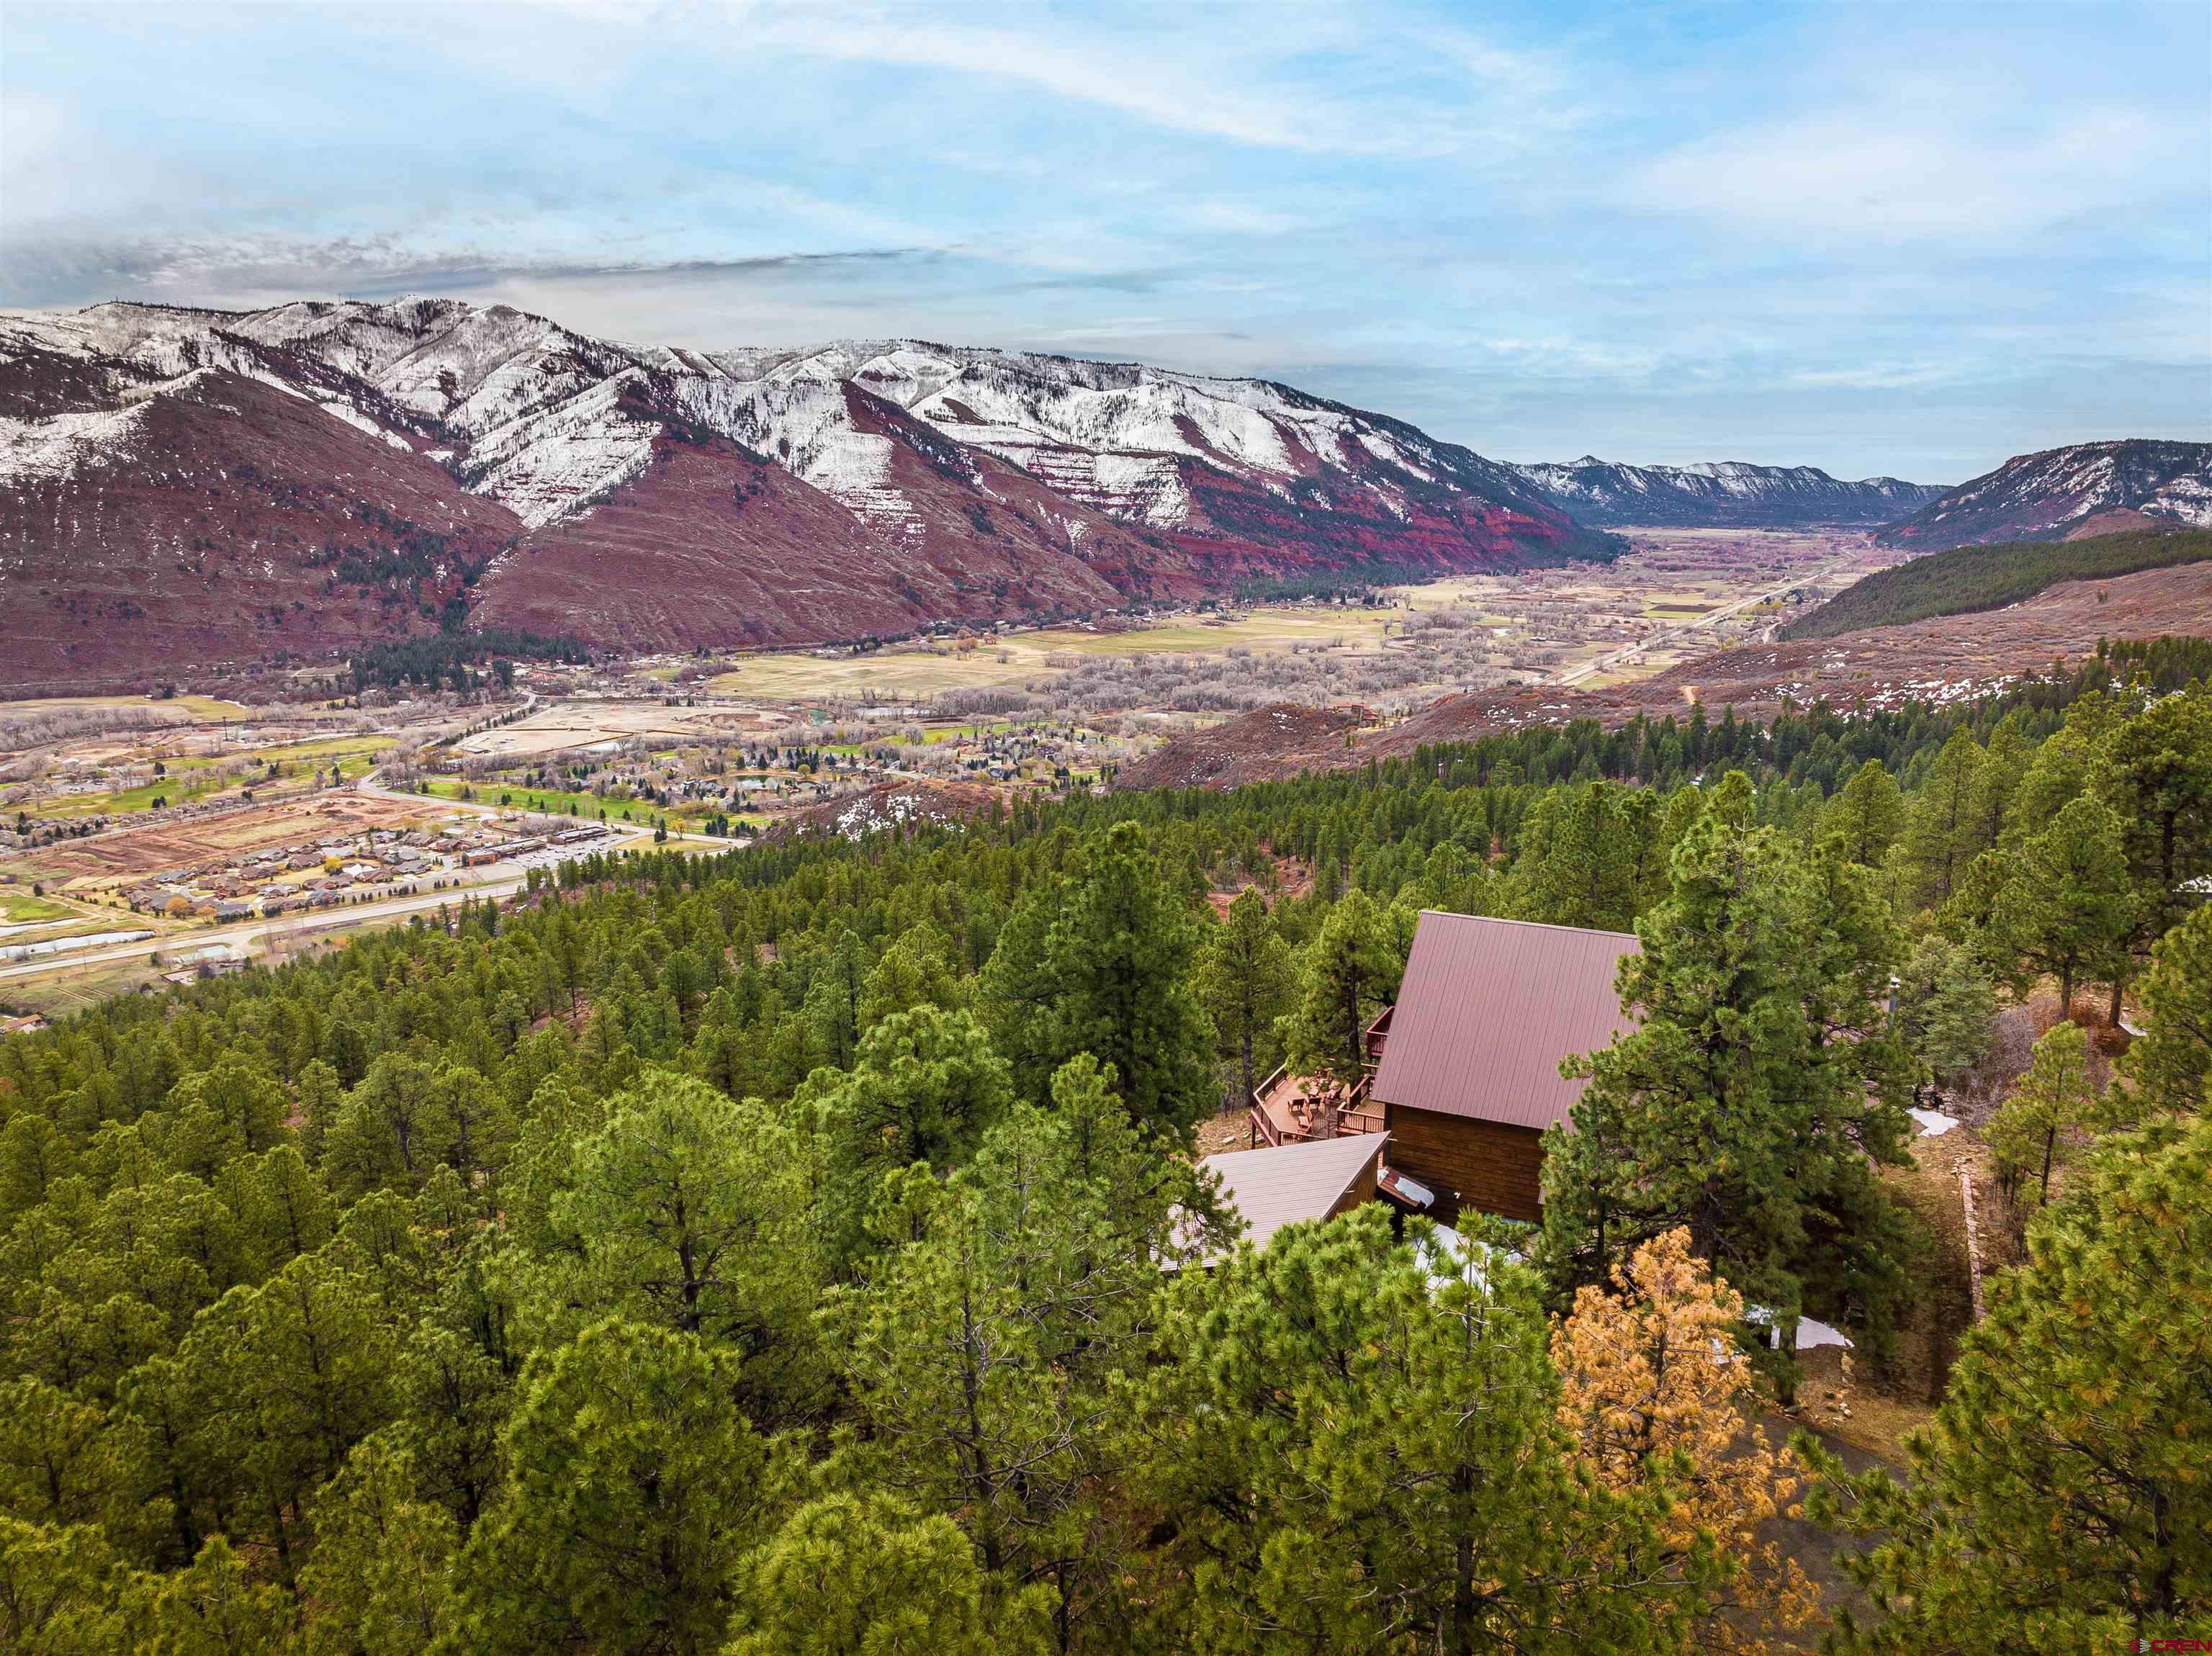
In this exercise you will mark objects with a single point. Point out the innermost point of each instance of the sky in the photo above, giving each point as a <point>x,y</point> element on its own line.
<point>1908,239</point>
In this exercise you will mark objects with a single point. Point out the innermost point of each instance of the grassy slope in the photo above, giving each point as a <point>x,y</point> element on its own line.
<point>1967,579</point>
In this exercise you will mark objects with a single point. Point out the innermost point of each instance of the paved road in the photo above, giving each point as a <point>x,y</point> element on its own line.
<point>252,937</point>
<point>1612,659</point>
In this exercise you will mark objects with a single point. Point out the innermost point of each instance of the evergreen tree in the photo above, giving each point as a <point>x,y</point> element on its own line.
<point>852,1575</point>
<point>2154,770</point>
<point>1362,1447</point>
<point>1110,976</point>
<point>924,1090</point>
<point>1245,977</point>
<point>1761,1081</point>
<point>2067,911</point>
<point>2055,1096</point>
<point>2060,1501</point>
<point>380,1583</point>
<point>1349,972</point>
<point>1946,1009</point>
<point>1590,856</point>
<point>1867,815</point>
<point>689,1211</point>
<point>635,1489</point>
<point>2169,1065</point>
<point>1939,840</point>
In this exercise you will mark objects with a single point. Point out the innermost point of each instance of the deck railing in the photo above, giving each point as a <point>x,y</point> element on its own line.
<point>1276,1119</point>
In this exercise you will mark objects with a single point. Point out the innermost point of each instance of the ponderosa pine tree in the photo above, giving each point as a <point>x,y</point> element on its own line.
<point>380,1582</point>
<point>1246,976</point>
<point>2067,911</point>
<point>636,1489</point>
<point>1101,964</point>
<point>1946,1009</point>
<point>2055,1096</point>
<point>2060,1501</point>
<point>982,1351</point>
<point>1347,976</point>
<point>865,1575</point>
<point>2154,771</point>
<point>924,1089</point>
<point>1866,815</point>
<point>1590,856</point>
<point>1938,841</point>
<point>2168,1067</point>
<point>1756,1090</point>
<point>689,1210</point>
<point>1361,1443</point>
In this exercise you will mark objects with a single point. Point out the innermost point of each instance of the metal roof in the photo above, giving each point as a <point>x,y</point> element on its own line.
<point>1272,1188</point>
<point>1488,1009</point>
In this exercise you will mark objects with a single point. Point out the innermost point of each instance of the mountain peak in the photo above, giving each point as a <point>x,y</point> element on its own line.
<point>1720,494</point>
<point>2053,493</point>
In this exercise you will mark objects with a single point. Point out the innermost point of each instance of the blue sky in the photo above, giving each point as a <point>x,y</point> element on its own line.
<point>1907,238</point>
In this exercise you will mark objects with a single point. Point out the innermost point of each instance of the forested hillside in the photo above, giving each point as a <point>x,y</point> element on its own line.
<point>1966,578</point>
<point>797,1251</point>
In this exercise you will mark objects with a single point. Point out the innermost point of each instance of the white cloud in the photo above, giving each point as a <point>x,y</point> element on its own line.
<point>1263,76</point>
<point>1910,169</point>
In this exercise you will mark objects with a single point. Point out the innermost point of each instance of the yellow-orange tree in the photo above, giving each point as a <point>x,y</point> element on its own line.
<point>1658,1398</point>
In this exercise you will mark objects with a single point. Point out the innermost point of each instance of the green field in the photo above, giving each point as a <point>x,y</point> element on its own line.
<point>192,776</point>
<point>19,907</point>
<point>585,807</point>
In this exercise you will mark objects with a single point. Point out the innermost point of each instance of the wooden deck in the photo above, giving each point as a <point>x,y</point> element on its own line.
<point>1291,1109</point>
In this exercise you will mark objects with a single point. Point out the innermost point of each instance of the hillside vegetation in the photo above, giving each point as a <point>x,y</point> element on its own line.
<point>1967,579</point>
<point>800,1253</point>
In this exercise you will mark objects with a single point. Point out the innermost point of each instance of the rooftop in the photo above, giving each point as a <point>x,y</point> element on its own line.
<point>1272,1188</point>
<point>1487,1010</point>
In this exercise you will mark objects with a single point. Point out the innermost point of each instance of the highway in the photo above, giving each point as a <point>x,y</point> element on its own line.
<point>290,931</point>
<point>1665,636</point>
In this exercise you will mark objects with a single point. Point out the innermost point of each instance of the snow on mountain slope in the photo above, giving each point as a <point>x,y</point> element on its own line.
<point>2050,495</point>
<point>1728,494</point>
<point>1021,481</point>
<point>215,517</point>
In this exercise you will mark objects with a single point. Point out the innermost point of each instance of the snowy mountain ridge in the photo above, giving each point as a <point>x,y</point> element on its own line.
<point>2060,493</point>
<point>1728,494</point>
<point>531,411</point>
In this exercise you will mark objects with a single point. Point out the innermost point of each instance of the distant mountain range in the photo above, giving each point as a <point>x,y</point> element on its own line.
<point>2085,489</point>
<point>190,487</point>
<point>1730,494</point>
<point>185,489</point>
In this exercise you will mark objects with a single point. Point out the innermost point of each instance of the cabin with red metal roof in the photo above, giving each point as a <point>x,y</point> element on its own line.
<point>1467,1074</point>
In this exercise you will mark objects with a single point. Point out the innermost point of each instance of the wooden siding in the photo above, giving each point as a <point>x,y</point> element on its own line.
<point>1488,1166</point>
<point>1361,1189</point>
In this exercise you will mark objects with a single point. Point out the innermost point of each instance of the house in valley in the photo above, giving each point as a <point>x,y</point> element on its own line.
<point>1467,1074</point>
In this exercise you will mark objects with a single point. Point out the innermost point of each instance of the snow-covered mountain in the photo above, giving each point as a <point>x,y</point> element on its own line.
<point>796,495</point>
<point>1728,493</point>
<point>2084,488</point>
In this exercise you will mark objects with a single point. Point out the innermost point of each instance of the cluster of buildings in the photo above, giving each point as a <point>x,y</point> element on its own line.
<point>376,863</point>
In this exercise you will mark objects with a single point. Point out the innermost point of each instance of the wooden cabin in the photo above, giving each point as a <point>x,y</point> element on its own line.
<point>1467,1074</point>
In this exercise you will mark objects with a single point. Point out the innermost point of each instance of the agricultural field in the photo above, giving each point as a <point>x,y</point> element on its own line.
<point>185,778</point>
<point>1676,594</point>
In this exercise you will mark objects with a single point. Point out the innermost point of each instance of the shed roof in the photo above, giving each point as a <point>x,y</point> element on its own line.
<point>1488,1009</point>
<point>1272,1188</point>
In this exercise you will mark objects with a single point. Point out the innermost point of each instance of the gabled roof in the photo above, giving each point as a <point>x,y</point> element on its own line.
<point>1272,1188</point>
<point>1488,1009</point>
